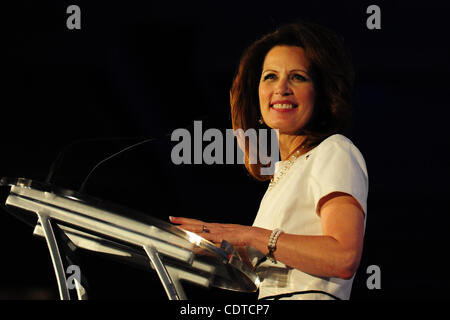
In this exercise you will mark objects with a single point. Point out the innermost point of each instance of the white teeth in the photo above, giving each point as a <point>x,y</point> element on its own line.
<point>283,106</point>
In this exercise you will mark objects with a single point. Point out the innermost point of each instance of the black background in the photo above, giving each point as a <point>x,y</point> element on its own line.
<point>142,69</point>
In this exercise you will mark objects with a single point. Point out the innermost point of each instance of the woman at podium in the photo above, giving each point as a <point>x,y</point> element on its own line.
<point>310,225</point>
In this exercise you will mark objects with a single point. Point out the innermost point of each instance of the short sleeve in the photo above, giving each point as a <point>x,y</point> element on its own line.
<point>339,167</point>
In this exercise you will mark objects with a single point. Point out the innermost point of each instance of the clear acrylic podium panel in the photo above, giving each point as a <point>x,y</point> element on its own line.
<point>139,239</point>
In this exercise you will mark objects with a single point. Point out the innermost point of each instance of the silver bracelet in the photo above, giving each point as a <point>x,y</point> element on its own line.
<point>272,245</point>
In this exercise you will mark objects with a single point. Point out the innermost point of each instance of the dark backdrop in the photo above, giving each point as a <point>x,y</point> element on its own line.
<point>142,69</point>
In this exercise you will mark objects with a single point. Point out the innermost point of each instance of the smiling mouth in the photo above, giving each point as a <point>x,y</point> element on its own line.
<point>283,106</point>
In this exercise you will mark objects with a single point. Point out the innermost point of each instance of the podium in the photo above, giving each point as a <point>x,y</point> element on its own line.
<point>69,220</point>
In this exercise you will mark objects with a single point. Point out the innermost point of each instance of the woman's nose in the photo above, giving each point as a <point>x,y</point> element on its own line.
<point>282,88</point>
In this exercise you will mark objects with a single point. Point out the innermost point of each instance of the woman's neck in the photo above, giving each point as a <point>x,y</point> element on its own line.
<point>289,144</point>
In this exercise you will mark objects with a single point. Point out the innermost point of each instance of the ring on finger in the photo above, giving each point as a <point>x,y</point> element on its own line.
<point>205,229</point>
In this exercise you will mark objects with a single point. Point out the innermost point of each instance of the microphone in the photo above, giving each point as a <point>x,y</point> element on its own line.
<point>83,184</point>
<point>58,160</point>
<point>57,163</point>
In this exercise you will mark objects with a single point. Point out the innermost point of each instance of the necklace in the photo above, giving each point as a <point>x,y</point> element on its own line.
<point>284,169</point>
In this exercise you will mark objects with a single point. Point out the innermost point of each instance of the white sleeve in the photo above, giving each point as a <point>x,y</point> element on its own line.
<point>339,167</point>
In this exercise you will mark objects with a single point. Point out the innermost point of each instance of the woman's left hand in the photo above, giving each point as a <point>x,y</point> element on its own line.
<point>235,234</point>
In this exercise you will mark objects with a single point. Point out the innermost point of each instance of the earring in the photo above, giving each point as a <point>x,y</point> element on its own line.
<point>261,120</point>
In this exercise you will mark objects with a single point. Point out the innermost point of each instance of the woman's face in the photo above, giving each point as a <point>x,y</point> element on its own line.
<point>286,91</point>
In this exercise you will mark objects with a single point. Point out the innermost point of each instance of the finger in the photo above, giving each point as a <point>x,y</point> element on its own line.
<point>181,220</point>
<point>191,227</point>
<point>196,228</point>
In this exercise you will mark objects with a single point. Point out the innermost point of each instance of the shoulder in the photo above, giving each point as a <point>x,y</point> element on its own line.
<point>332,146</point>
<point>338,148</point>
<point>335,140</point>
<point>339,167</point>
<point>338,143</point>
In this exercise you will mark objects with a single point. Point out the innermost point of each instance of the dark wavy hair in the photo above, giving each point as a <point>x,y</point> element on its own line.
<point>331,72</point>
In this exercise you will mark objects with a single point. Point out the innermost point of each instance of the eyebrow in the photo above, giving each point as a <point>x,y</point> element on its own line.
<point>267,70</point>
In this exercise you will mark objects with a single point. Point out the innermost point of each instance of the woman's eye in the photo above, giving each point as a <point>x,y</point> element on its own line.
<point>269,76</point>
<point>298,77</point>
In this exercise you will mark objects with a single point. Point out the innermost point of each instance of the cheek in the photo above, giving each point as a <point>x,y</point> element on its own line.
<point>307,96</point>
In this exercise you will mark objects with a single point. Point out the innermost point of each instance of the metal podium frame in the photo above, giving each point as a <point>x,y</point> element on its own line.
<point>69,220</point>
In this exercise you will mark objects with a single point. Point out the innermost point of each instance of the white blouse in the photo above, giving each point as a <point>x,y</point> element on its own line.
<point>335,165</point>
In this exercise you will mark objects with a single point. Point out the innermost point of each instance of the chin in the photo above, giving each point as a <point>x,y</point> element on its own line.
<point>284,128</point>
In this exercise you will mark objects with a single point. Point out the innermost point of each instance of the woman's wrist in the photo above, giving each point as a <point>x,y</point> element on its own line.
<point>248,236</point>
<point>272,245</point>
<point>258,238</point>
